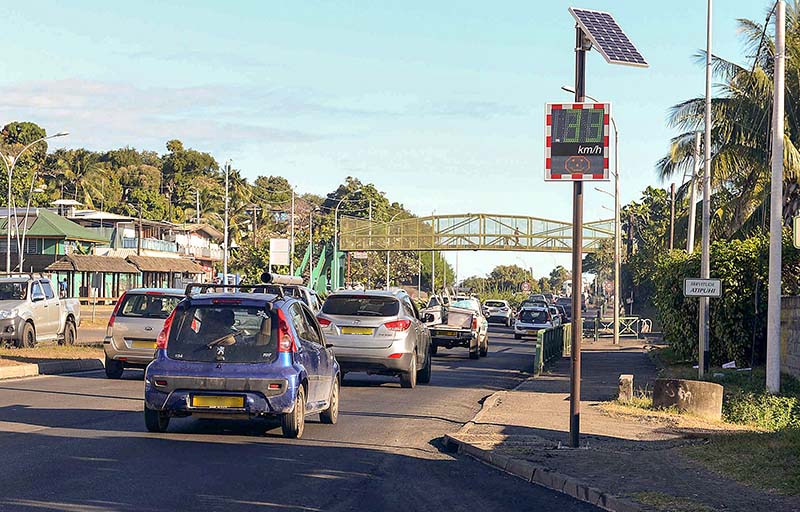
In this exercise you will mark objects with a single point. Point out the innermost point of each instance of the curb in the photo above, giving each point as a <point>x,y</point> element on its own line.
<point>543,477</point>
<point>50,368</point>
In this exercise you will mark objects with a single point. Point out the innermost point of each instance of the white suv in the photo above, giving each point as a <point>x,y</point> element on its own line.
<point>498,311</point>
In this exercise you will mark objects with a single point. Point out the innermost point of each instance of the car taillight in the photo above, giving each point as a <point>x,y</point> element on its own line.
<point>163,336</point>
<point>324,322</point>
<point>474,324</point>
<point>116,310</point>
<point>285,337</point>
<point>398,325</point>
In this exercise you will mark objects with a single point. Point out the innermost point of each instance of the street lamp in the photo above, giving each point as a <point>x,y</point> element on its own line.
<point>617,227</point>
<point>311,246</point>
<point>21,246</point>
<point>387,247</point>
<point>336,236</point>
<point>226,242</point>
<point>10,171</point>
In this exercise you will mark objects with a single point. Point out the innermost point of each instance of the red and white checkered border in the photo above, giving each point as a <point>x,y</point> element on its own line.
<point>548,110</point>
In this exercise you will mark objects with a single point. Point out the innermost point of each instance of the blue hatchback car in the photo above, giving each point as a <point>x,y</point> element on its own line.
<point>241,355</point>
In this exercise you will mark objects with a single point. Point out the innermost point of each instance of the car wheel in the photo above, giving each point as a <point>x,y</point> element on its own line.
<point>408,379</point>
<point>114,368</point>
<point>155,421</point>
<point>70,333</point>
<point>28,336</point>
<point>474,353</point>
<point>293,423</point>
<point>424,375</point>
<point>517,336</point>
<point>484,348</point>
<point>331,414</point>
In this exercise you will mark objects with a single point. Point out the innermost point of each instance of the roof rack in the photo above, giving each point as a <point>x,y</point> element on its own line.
<point>29,275</point>
<point>204,288</point>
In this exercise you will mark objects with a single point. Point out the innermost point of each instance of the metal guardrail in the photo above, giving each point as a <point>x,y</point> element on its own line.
<point>552,344</point>
<point>629,326</point>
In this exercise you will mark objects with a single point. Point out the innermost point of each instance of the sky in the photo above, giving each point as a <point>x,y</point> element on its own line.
<point>439,104</point>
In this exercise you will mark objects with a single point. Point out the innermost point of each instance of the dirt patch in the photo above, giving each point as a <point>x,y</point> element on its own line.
<point>13,356</point>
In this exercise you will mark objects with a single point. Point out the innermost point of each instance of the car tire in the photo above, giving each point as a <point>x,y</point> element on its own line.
<point>293,423</point>
<point>28,339</point>
<point>475,353</point>
<point>517,336</point>
<point>155,421</point>
<point>483,350</point>
<point>424,375</point>
<point>114,368</point>
<point>70,333</point>
<point>434,349</point>
<point>330,415</point>
<point>408,379</point>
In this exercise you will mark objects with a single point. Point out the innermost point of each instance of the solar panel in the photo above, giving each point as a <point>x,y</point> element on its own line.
<point>608,37</point>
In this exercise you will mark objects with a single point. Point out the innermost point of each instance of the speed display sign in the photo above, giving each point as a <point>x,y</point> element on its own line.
<point>576,141</point>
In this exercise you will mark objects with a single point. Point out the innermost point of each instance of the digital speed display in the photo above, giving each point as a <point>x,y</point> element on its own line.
<point>576,141</point>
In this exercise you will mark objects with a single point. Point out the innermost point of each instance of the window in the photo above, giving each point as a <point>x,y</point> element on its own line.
<point>36,290</point>
<point>13,290</point>
<point>33,246</point>
<point>313,330</point>
<point>534,316</point>
<point>408,309</point>
<point>148,306</point>
<point>494,304</point>
<point>48,289</point>
<point>349,305</point>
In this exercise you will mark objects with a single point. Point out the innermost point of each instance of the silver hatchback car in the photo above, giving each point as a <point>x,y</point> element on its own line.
<point>378,332</point>
<point>134,325</point>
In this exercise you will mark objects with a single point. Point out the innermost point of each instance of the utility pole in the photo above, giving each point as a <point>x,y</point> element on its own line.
<point>291,249</point>
<point>776,207</point>
<point>672,217</point>
<point>197,204</point>
<point>225,234</point>
<point>577,262</point>
<point>705,260</point>
<point>617,235</point>
<point>693,195</point>
<point>139,237</point>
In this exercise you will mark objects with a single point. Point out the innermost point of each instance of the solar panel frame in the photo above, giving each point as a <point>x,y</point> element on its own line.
<point>608,37</point>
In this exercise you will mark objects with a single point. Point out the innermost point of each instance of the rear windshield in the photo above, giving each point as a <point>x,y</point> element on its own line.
<point>361,306</point>
<point>494,303</point>
<point>534,317</point>
<point>13,291</point>
<point>230,333</point>
<point>472,304</point>
<point>148,305</point>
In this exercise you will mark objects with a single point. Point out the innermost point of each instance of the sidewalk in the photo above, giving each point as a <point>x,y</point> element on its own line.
<point>524,431</point>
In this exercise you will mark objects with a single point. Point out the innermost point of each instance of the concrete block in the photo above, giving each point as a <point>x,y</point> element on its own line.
<point>498,460</point>
<point>625,387</point>
<point>558,481</point>
<point>696,397</point>
<point>543,478</point>
<point>595,497</point>
<point>570,487</point>
<point>472,450</point>
<point>521,468</point>
<point>616,504</point>
<point>18,371</point>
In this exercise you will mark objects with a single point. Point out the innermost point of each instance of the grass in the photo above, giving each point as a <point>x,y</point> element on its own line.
<point>766,460</point>
<point>12,356</point>
<point>667,503</point>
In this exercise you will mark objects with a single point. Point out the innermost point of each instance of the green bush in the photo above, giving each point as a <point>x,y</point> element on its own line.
<point>763,410</point>
<point>738,318</point>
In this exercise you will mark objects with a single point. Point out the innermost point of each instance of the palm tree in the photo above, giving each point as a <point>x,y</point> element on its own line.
<point>741,120</point>
<point>79,171</point>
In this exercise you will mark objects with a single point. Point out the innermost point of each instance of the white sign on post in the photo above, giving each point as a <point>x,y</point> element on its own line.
<point>278,251</point>
<point>359,255</point>
<point>693,287</point>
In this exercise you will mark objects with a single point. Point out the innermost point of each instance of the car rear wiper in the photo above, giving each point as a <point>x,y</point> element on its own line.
<point>368,313</point>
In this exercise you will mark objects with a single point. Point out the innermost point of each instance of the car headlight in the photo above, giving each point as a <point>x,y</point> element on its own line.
<point>8,313</point>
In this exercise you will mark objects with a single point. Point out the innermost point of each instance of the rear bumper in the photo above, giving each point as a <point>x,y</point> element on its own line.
<point>131,356</point>
<point>498,318</point>
<point>458,338</point>
<point>178,402</point>
<point>373,363</point>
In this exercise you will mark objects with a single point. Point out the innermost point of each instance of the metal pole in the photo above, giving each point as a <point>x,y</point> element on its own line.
<point>311,249</point>
<point>10,170</point>
<point>705,263</point>
<point>197,204</point>
<point>577,264</point>
<point>672,217</point>
<point>419,274</point>
<point>617,236</point>
<point>693,195</point>
<point>291,251</point>
<point>225,235</point>
<point>776,208</point>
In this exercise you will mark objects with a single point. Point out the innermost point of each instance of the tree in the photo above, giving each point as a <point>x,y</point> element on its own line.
<point>13,139</point>
<point>558,276</point>
<point>179,167</point>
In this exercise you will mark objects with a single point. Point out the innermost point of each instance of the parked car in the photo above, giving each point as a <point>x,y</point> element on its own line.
<point>378,332</point>
<point>31,312</point>
<point>564,313</point>
<point>566,303</point>
<point>531,320</point>
<point>241,355</point>
<point>134,325</point>
<point>498,311</point>
<point>537,297</point>
<point>460,323</point>
<point>292,286</point>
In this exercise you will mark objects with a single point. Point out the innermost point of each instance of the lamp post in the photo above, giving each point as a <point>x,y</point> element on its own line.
<point>311,246</point>
<point>617,226</point>
<point>25,223</point>
<point>10,162</point>
<point>387,247</point>
<point>336,237</point>
<point>227,199</point>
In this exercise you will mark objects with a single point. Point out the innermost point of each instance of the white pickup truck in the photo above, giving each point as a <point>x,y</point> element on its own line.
<point>31,312</point>
<point>457,322</point>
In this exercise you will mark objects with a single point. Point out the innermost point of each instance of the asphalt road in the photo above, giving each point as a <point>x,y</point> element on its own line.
<point>77,442</point>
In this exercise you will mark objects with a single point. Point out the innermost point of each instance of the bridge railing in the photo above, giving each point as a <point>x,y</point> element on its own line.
<point>629,327</point>
<point>551,345</point>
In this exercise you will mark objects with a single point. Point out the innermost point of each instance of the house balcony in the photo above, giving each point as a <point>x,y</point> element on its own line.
<point>150,244</point>
<point>206,253</point>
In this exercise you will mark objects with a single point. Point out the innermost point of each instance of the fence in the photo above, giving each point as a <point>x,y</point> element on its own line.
<point>629,326</point>
<point>552,344</point>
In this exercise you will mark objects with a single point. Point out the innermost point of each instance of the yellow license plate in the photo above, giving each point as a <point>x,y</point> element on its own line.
<point>357,330</point>
<point>218,402</point>
<point>143,344</point>
<point>532,332</point>
<point>447,333</point>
